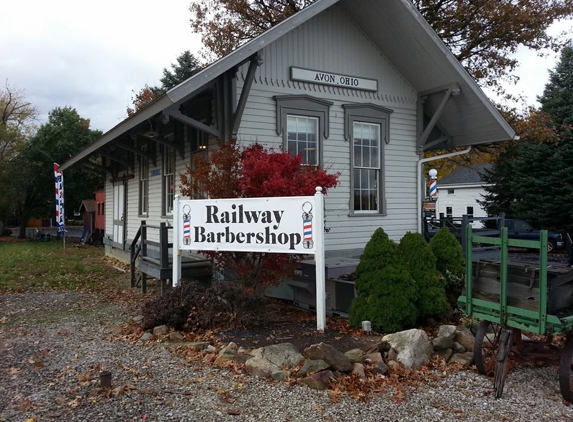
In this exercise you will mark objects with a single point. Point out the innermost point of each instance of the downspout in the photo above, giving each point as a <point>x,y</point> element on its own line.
<point>421,185</point>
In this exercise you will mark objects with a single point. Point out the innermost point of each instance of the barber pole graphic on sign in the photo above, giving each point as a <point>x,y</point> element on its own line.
<point>59,182</point>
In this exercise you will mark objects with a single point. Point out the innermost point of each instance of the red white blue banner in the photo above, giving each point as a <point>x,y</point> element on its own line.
<point>59,182</point>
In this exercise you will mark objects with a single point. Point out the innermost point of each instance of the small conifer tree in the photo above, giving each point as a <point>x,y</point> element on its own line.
<point>386,293</point>
<point>431,286</point>
<point>450,262</point>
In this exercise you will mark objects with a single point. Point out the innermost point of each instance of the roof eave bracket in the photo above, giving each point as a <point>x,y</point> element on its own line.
<point>452,90</point>
<point>255,61</point>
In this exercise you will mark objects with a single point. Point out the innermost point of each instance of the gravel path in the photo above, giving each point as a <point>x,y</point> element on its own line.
<point>53,345</point>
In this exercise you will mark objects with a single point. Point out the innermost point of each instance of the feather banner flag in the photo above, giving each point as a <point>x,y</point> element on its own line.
<point>59,181</point>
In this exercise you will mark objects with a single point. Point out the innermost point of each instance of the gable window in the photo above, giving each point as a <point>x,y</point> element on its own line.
<point>367,131</point>
<point>143,184</point>
<point>451,191</point>
<point>304,123</point>
<point>168,181</point>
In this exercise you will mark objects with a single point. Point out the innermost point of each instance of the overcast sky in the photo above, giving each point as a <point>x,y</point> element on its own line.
<point>92,55</point>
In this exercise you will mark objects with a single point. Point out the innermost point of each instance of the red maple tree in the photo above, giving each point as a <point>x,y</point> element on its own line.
<point>251,172</point>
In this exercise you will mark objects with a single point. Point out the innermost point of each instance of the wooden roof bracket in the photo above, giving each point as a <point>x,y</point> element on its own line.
<point>116,159</point>
<point>452,90</point>
<point>137,151</point>
<point>95,168</point>
<point>180,117</point>
<point>255,61</point>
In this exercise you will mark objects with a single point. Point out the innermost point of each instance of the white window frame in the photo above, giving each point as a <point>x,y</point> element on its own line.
<point>168,180</point>
<point>371,114</point>
<point>304,106</point>
<point>304,151</point>
<point>366,159</point>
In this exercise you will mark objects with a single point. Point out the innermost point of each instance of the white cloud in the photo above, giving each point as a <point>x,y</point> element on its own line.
<point>91,55</point>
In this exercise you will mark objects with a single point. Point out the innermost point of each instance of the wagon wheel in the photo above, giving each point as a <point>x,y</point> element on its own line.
<point>486,347</point>
<point>502,364</point>
<point>566,370</point>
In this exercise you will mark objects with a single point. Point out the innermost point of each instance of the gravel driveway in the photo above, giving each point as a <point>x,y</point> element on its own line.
<point>53,345</point>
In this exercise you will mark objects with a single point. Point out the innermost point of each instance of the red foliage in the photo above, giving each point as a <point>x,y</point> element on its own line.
<point>252,172</point>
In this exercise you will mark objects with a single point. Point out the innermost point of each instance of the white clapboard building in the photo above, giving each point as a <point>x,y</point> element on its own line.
<point>360,87</point>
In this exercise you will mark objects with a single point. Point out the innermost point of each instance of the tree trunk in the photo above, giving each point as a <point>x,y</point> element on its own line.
<point>22,234</point>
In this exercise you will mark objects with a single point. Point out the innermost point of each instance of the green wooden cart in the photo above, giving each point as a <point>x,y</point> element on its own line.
<point>510,297</point>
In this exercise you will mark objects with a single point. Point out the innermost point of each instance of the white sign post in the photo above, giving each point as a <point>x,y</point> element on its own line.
<point>293,224</point>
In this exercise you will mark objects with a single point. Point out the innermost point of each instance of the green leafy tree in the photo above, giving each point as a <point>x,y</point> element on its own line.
<point>61,137</point>
<point>386,292</point>
<point>430,284</point>
<point>17,124</point>
<point>483,34</point>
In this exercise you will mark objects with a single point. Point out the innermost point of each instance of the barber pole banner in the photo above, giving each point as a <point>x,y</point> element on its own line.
<point>59,182</point>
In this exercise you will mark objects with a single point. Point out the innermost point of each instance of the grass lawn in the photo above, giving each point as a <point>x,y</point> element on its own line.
<point>26,265</point>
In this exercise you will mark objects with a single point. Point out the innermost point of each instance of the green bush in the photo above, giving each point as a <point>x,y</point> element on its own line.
<point>450,262</point>
<point>386,293</point>
<point>430,285</point>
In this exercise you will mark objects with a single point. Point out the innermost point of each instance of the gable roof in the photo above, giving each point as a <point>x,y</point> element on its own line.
<point>466,175</point>
<point>88,205</point>
<point>400,32</point>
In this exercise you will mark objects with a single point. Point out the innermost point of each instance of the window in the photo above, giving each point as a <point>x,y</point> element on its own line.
<point>302,138</point>
<point>143,184</point>
<point>367,130</point>
<point>168,180</point>
<point>366,166</point>
<point>449,212</point>
<point>451,191</point>
<point>470,211</point>
<point>304,122</point>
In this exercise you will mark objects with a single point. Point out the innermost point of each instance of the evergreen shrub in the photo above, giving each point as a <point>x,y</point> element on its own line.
<point>386,293</point>
<point>431,287</point>
<point>450,262</point>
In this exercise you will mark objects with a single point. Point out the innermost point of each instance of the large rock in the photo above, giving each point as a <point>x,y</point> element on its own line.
<point>311,366</point>
<point>355,355</point>
<point>318,381</point>
<point>413,346</point>
<point>330,355</point>
<point>465,337</point>
<point>448,331</point>
<point>465,359</point>
<point>270,359</point>
<point>161,330</point>
<point>226,354</point>
<point>441,343</point>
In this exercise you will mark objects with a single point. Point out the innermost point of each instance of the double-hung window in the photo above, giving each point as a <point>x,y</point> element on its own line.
<point>367,131</point>
<point>168,180</point>
<point>302,138</point>
<point>304,122</point>
<point>143,184</point>
<point>366,167</point>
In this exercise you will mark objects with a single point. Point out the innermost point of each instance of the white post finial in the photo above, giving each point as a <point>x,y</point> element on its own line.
<point>318,189</point>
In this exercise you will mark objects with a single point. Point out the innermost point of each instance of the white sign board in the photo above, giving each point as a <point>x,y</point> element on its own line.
<point>283,224</point>
<point>293,224</point>
<point>333,79</point>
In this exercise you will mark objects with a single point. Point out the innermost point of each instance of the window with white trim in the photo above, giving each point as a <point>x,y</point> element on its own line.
<point>168,180</point>
<point>366,167</point>
<point>143,184</point>
<point>304,123</point>
<point>366,128</point>
<point>302,138</point>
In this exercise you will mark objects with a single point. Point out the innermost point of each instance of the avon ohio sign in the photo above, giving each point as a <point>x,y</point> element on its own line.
<point>283,224</point>
<point>333,79</point>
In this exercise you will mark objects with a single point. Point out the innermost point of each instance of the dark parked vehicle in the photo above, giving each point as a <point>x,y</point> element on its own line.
<point>520,229</point>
